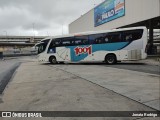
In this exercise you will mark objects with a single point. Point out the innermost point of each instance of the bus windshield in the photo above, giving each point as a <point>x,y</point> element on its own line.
<point>42,46</point>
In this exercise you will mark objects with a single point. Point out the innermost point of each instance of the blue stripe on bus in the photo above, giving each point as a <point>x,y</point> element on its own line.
<point>95,48</point>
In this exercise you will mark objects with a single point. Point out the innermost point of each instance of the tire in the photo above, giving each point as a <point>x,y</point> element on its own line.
<point>52,60</point>
<point>110,59</point>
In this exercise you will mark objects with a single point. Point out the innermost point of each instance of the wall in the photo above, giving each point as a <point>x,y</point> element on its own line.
<point>135,11</point>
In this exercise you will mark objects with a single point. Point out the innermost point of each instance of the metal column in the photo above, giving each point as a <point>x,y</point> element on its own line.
<point>150,50</point>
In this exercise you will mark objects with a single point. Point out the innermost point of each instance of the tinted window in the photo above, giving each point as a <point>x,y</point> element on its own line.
<point>41,47</point>
<point>96,39</point>
<point>81,40</point>
<point>56,42</point>
<point>67,41</point>
<point>52,44</point>
<point>78,42</point>
<point>46,41</point>
<point>113,37</point>
<point>132,35</point>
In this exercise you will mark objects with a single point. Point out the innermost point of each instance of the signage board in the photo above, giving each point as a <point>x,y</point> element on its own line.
<point>108,10</point>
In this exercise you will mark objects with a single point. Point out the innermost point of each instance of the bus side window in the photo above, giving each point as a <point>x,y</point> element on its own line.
<point>107,38</point>
<point>114,37</point>
<point>81,40</point>
<point>128,37</point>
<point>137,34</point>
<point>72,42</point>
<point>68,41</point>
<point>132,35</point>
<point>96,38</point>
<point>100,40</point>
<point>57,42</point>
<point>84,41</point>
<point>77,42</point>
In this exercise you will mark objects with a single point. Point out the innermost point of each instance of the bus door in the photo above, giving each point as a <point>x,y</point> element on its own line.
<point>52,47</point>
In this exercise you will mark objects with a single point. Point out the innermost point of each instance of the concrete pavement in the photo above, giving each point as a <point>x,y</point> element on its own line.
<point>78,87</point>
<point>139,86</point>
<point>43,87</point>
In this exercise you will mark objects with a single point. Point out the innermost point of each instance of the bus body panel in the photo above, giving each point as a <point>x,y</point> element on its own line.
<point>63,54</point>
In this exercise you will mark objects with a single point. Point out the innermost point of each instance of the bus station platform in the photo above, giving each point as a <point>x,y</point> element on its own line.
<point>80,87</point>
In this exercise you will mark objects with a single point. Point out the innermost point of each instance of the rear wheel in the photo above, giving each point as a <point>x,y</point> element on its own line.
<point>110,59</point>
<point>52,60</point>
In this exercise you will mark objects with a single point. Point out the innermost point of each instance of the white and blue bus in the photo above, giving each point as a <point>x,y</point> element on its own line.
<point>107,46</point>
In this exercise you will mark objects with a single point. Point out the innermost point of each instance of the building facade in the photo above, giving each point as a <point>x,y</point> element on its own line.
<point>135,11</point>
<point>132,13</point>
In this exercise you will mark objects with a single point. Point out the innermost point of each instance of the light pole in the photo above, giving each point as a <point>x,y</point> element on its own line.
<point>33,24</point>
<point>62,29</point>
<point>6,34</point>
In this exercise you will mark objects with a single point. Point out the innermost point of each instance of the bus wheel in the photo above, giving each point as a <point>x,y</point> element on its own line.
<point>110,59</point>
<point>52,60</point>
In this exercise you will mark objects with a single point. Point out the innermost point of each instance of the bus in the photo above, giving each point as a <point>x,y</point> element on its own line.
<point>108,46</point>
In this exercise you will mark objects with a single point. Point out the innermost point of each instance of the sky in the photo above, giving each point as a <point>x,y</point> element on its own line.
<point>41,17</point>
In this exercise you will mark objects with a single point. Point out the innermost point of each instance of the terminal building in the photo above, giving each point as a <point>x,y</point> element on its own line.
<point>114,14</point>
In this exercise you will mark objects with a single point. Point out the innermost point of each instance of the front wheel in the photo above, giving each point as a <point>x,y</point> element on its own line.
<point>52,60</point>
<point>110,59</point>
